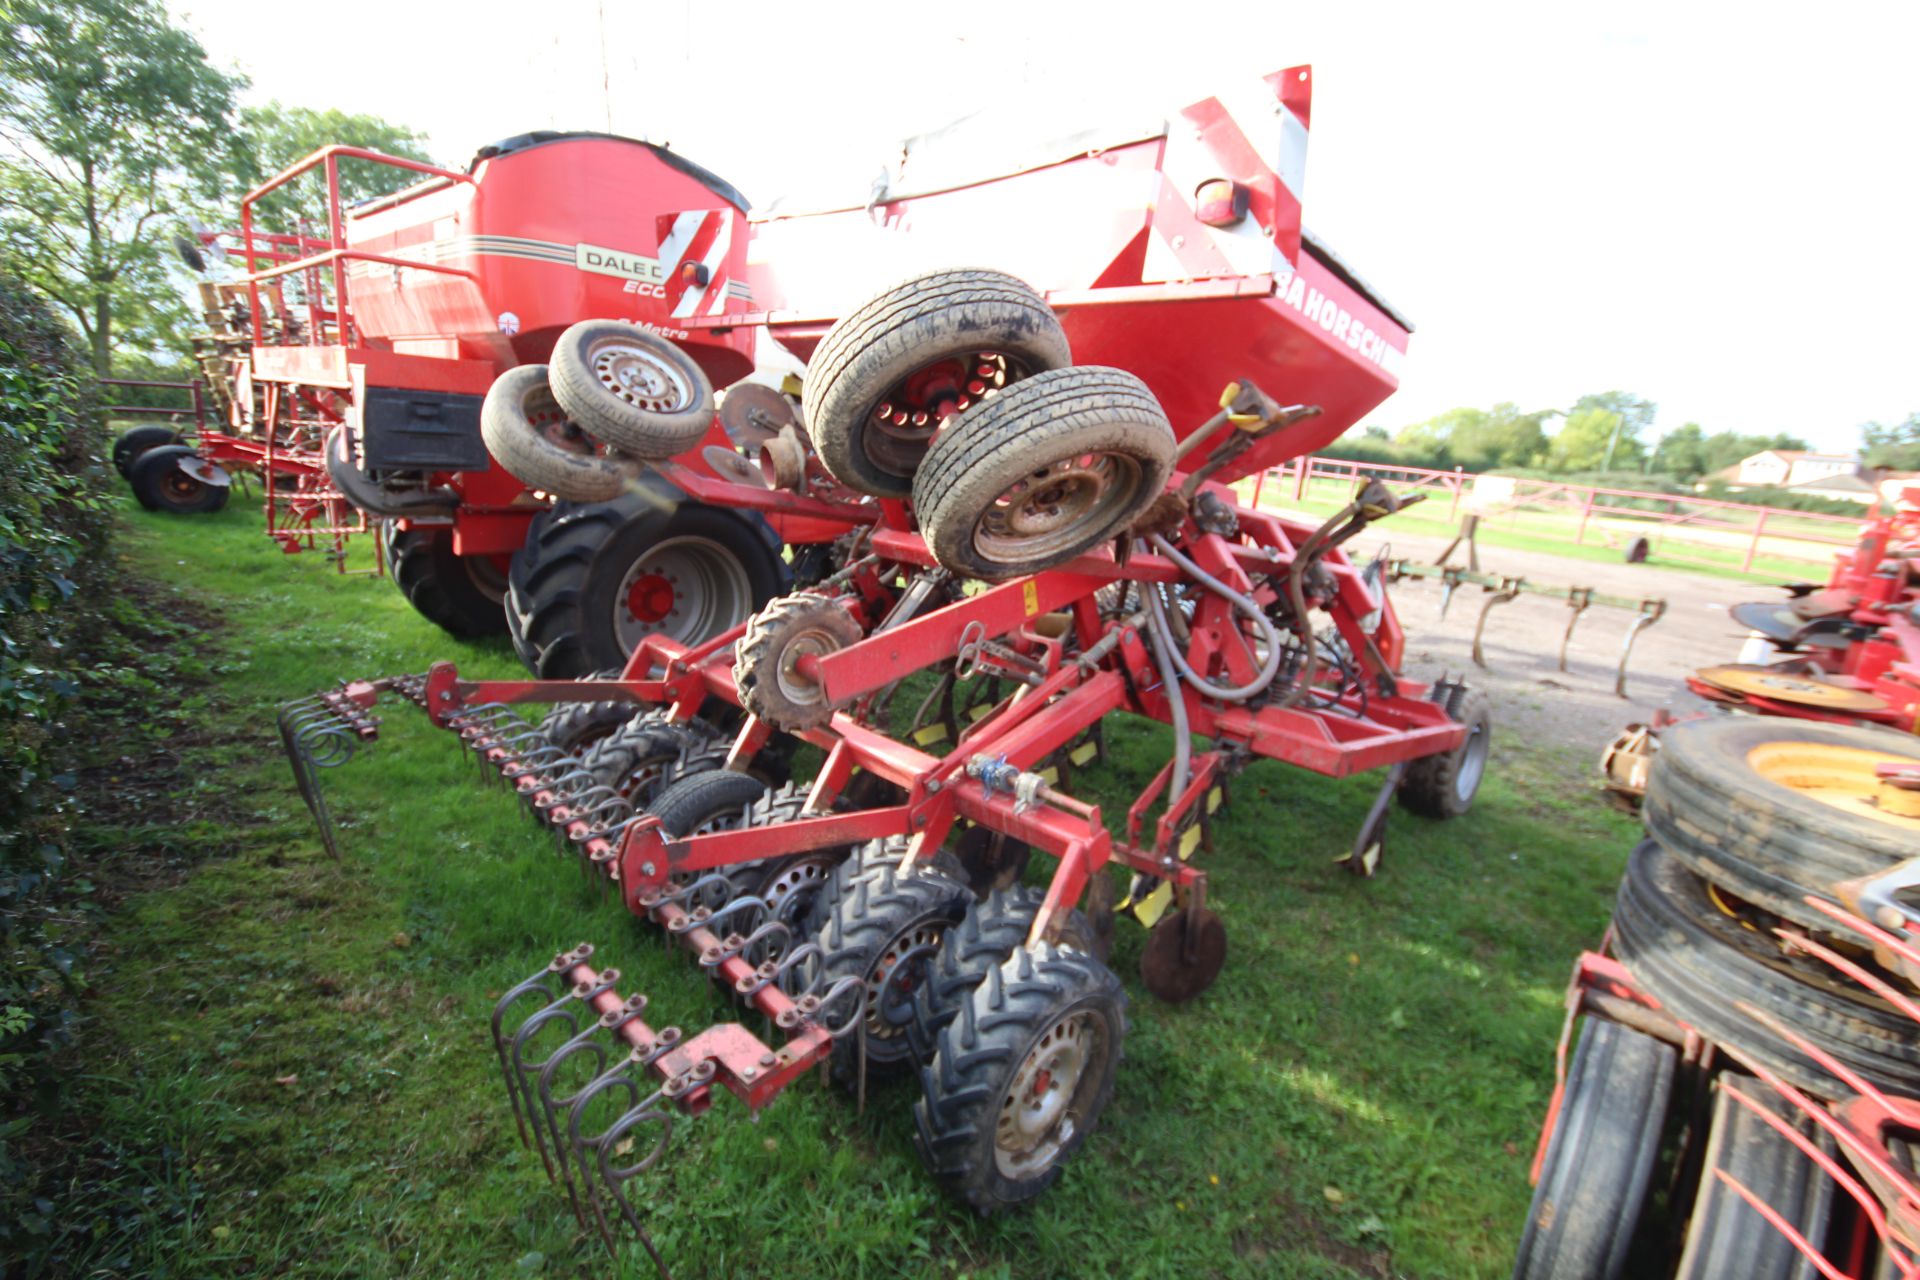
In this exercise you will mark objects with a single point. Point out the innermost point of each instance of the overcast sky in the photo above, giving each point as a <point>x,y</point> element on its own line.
<point>1716,206</point>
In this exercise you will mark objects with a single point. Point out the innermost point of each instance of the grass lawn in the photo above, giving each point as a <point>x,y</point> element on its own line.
<point>290,1055</point>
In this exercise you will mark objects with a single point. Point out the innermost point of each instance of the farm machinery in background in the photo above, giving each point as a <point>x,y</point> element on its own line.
<point>1844,653</point>
<point>1033,529</point>
<point>352,355</point>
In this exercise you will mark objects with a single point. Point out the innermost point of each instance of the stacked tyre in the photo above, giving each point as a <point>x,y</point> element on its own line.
<point>1750,822</point>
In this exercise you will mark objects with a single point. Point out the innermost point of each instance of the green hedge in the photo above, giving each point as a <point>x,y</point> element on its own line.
<point>55,577</point>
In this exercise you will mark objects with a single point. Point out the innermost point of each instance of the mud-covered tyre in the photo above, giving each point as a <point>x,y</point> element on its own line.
<point>577,726</point>
<point>160,484</point>
<point>885,931</point>
<point>1444,785</point>
<point>644,756</point>
<point>1606,1141</point>
<point>591,580</point>
<point>464,596</point>
<point>999,1116</point>
<point>533,437</point>
<point>1701,963</point>
<point>1726,1237</point>
<point>1721,798</point>
<point>993,928</point>
<point>764,671</point>
<point>1041,473</point>
<point>633,389</point>
<point>918,348</point>
<point>131,444</point>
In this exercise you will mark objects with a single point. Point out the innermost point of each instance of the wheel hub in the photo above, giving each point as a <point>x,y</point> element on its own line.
<point>1047,508</point>
<point>650,598</point>
<point>903,424</point>
<point>1037,1117</point>
<point>796,687</point>
<point>689,589</point>
<point>896,975</point>
<point>641,378</point>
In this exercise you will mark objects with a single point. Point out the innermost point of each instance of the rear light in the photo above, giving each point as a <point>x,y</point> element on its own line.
<point>1220,202</point>
<point>696,274</point>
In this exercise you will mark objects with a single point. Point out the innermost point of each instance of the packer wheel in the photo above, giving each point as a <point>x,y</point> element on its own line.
<point>766,662</point>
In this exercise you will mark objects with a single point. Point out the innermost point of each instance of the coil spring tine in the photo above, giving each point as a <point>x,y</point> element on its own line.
<point>586,1041</point>
<point>734,906</point>
<point>613,1178</point>
<point>849,984</point>
<point>538,983</point>
<point>766,931</point>
<point>522,1071</point>
<point>791,961</point>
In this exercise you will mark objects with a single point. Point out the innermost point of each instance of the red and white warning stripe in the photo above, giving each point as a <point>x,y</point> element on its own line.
<point>703,236</point>
<point>1256,136</point>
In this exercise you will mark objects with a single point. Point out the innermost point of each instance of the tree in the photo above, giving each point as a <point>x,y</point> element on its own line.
<point>280,135</point>
<point>1896,446</point>
<point>1629,415</point>
<point>113,125</point>
<point>1682,452</point>
<point>1477,439</point>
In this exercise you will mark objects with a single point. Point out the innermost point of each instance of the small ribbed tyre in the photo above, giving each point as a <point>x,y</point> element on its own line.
<point>766,661</point>
<point>887,374</point>
<point>536,440</point>
<point>633,389</point>
<point>1021,1076</point>
<point>866,862</point>
<point>1776,809</point>
<point>1703,955</point>
<point>576,726</point>
<point>160,484</point>
<point>130,444</point>
<point>993,929</point>
<point>1726,1236</point>
<point>1444,785</point>
<point>644,756</point>
<point>721,801</point>
<point>1606,1141</point>
<point>885,931</point>
<point>1043,472</point>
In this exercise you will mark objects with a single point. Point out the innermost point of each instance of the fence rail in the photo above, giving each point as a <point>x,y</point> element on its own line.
<point>1737,530</point>
<point>195,408</point>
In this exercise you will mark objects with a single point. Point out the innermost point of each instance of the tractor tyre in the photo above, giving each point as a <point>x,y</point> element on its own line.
<point>1681,941</point>
<point>1725,1235</point>
<point>577,726</point>
<point>635,390</point>
<point>1046,470</point>
<point>529,434</point>
<point>648,754</point>
<point>160,484</point>
<point>993,929</point>
<point>593,580</point>
<point>464,596</point>
<point>1444,785</point>
<point>866,862</point>
<point>1774,809</point>
<point>885,931</point>
<point>925,348</point>
<point>130,444</point>
<point>1606,1141</point>
<point>1021,1075</point>
<point>764,671</point>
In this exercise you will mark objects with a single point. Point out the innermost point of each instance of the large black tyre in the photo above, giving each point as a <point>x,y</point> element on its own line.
<point>1699,962</point>
<point>532,436</point>
<point>633,389</point>
<point>1715,800</point>
<point>577,726</point>
<point>643,757</point>
<point>130,444</point>
<point>462,595</point>
<point>993,929</point>
<point>885,930</point>
<point>1593,1182</point>
<point>1444,785</point>
<point>160,484</point>
<point>1044,471</point>
<point>873,354</point>
<point>1726,1237</point>
<point>976,1135</point>
<point>584,588</point>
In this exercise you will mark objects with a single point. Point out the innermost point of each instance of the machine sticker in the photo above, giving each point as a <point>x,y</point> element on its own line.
<point>1031,594</point>
<point>617,262</point>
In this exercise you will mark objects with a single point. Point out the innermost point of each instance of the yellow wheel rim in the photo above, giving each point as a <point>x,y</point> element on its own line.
<point>1842,777</point>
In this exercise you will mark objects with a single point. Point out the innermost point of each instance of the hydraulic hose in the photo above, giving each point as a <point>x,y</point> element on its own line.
<point>1161,647</point>
<point>1245,604</point>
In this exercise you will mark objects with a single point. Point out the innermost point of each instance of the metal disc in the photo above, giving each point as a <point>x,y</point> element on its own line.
<point>992,859</point>
<point>1779,686</point>
<point>1780,624</point>
<point>729,465</point>
<point>1166,967</point>
<point>752,413</point>
<point>205,472</point>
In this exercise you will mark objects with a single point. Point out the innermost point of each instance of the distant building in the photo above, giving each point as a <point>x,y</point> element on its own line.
<point>1820,475</point>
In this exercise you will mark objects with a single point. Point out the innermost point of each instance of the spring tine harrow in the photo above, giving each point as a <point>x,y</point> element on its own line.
<point>323,732</point>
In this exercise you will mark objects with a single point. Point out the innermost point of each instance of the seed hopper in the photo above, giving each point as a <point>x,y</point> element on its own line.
<point>1031,491</point>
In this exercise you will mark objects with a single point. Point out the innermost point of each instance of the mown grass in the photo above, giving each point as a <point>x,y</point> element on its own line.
<point>1552,532</point>
<point>295,1051</point>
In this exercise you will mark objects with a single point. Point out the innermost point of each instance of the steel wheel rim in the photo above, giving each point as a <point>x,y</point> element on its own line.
<point>1840,777</point>
<point>903,421</point>
<point>789,890</point>
<point>1473,764</point>
<point>486,577</point>
<point>812,641</point>
<point>641,377</point>
<point>709,585</point>
<point>895,976</point>
<point>1050,510</point>
<point>550,422</point>
<point>1041,1111</point>
<point>181,485</point>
